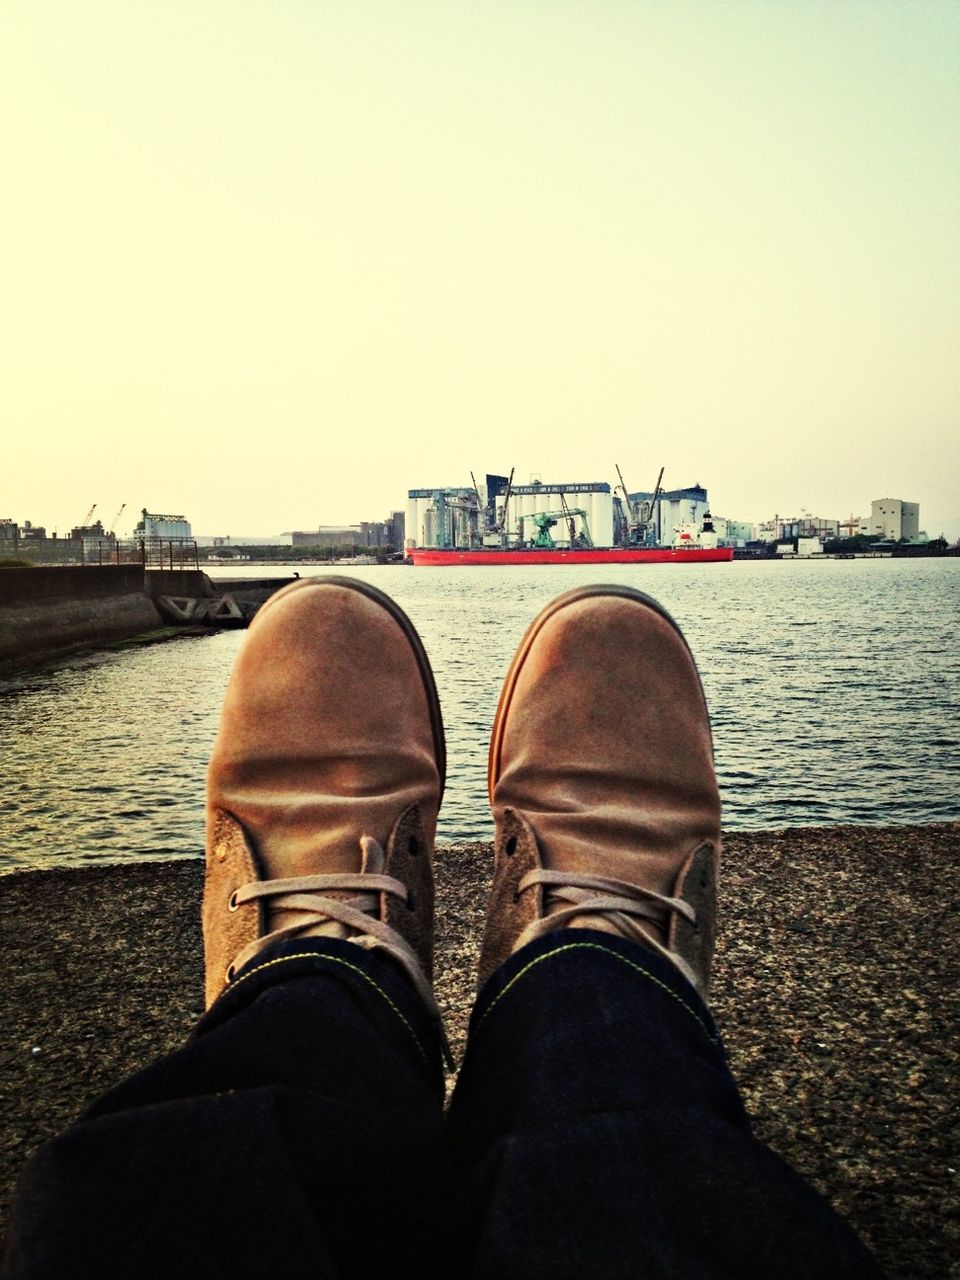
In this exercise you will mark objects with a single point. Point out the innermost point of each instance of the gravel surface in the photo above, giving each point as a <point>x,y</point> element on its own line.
<point>836,989</point>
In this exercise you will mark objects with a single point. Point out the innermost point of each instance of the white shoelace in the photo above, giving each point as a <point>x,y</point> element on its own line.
<point>621,902</point>
<point>309,896</point>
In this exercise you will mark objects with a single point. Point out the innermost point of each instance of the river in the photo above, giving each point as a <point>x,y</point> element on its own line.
<point>834,691</point>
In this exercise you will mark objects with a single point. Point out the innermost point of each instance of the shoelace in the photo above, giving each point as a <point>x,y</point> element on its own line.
<point>621,902</point>
<point>308,894</point>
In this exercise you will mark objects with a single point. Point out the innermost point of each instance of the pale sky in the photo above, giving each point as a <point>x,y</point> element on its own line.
<point>272,264</point>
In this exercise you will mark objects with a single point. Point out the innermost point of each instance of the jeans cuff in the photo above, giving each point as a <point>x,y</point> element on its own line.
<point>593,946</point>
<point>375,979</point>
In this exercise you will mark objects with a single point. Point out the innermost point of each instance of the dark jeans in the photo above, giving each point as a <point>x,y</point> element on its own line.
<point>595,1131</point>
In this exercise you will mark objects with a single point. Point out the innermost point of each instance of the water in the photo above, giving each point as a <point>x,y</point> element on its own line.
<point>834,690</point>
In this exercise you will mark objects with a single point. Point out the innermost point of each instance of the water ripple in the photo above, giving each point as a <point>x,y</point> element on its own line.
<point>834,691</point>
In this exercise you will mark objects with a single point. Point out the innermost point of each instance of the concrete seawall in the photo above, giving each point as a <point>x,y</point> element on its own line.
<point>42,610</point>
<point>46,610</point>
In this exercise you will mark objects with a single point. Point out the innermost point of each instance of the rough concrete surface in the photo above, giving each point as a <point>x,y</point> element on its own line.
<point>836,989</point>
<point>48,609</point>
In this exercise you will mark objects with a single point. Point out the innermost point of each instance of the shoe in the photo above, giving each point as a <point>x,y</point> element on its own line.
<point>602,784</point>
<point>324,784</point>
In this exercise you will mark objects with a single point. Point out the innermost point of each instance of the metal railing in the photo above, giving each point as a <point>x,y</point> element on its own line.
<point>150,553</point>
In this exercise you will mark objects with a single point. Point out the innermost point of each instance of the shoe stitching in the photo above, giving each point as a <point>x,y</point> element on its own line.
<point>316,955</point>
<point>593,946</point>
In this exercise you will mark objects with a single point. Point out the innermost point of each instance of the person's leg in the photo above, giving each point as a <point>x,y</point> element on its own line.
<point>595,1127</point>
<point>299,1130</point>
<point>596,1131</point>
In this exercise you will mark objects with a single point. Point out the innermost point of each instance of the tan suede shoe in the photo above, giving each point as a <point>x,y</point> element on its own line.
<point>324,784</point>
<point>602,784</point>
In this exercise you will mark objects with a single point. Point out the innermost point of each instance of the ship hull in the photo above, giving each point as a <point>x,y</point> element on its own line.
<point>436,556</point>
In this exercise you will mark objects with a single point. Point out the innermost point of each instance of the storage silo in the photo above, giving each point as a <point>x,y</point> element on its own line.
<point>588,501</point>
<point>412,524</point>
<point>423,506</point>
<point>601,527</point>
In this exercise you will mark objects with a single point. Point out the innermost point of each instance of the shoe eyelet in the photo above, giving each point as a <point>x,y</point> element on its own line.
<point>233,904</point>
<point>413,848</point>
<point>229,975</point>
<point>510,848</point>
<point>516,895</point>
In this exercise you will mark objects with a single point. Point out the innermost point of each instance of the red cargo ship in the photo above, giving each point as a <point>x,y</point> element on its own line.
<point>576,555</point>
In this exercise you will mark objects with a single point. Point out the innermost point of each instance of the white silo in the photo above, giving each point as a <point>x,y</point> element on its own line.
<point>411,526</point>
<point>602,525</point>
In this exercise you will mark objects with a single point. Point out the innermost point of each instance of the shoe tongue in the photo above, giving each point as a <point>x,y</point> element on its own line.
<point>371,862</point>
<point>372,857</point>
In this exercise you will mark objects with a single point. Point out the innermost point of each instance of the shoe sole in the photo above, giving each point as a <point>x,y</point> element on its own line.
<point>416,644</point>
<point>568,597</point>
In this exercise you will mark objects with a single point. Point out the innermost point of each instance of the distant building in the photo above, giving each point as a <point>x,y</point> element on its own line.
<point>785,528</point>
<point>450,516</point>
<point>893,519</point>
<point>853,526</point>
<point>9,536</point>
<point>809,546</point>
<point>220,540</point>
<point>676,509</point>
<point>152,525</point>
<point>458,516</point>
<point>733,533</point>
<point>366,533</point>
<point>396,524</point>
<point>90,532</point>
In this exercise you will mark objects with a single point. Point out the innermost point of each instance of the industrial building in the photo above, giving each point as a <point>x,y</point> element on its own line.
<point>221,541</point>
<point>572,513</point>
<point>366,533</point>
<point>893,519</point>
<point>459,517</point>
<point>9,536</point>
<point>733,533</point>
<point>785,528</point>
<point>151,525</point>
<point>673,512</point>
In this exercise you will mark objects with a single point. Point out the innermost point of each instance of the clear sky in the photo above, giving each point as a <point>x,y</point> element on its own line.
<point>272,264</point>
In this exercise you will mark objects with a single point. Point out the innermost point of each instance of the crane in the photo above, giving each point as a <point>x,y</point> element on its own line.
<point>88,517</point>
<point>476,489</point>
<point>545,520</point>
<point>501,523</point>
<point>627,505</point>
<point>654,501</point>
<point>123,507</point>
<point>583,538</point>
<point>638,520</point>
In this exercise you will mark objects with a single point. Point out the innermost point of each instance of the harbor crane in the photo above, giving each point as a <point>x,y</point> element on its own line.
<point>639,520</point>
<point>626,504</point>
<point>481,505</point>
<point>501,524</point>
<point>583,539</point>
<point>546,520</point>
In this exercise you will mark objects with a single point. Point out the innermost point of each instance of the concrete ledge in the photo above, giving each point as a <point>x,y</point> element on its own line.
<point>71,582</point>
<point>835,990</point>
<point>44,610</point>
<point>29,631</point>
